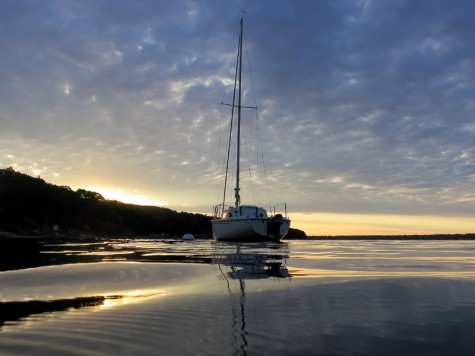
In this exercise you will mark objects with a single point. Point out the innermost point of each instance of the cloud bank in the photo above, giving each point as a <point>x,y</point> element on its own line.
<point>364,106</point>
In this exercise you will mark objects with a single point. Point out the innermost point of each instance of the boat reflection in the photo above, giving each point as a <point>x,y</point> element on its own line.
<point>247,262</point>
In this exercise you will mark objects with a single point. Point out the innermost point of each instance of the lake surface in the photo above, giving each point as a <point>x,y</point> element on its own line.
<point>206,298</point>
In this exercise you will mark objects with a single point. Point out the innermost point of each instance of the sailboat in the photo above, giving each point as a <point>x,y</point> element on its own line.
<point>245,222</point>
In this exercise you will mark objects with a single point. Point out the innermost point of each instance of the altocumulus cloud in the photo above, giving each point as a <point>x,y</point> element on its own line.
<point>364,106</point>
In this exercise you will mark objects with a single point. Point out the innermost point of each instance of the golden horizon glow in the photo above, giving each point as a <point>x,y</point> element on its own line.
<point>334,224</point>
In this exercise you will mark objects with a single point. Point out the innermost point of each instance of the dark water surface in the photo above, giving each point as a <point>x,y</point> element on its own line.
<point>206,298</point>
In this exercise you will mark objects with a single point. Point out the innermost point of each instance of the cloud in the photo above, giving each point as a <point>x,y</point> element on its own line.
<point>363,106</point>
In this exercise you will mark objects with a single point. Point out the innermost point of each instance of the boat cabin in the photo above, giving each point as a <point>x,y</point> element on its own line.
<point>246,212</point>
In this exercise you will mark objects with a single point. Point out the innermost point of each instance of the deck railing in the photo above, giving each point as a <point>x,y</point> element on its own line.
<point>220,211</point>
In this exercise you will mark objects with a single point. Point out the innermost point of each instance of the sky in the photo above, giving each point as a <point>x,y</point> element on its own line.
<point>366,109</point>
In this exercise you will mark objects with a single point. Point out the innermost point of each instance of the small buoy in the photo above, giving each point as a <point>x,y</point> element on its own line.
<point>188,237</point>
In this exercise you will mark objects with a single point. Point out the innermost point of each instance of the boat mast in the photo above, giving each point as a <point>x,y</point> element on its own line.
<point>236,190</point>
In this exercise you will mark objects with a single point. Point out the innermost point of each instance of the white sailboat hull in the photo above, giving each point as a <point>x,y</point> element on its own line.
<point>250,229</point>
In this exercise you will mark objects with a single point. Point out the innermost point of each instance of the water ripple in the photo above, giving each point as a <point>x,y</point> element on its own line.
<point>301,297</point>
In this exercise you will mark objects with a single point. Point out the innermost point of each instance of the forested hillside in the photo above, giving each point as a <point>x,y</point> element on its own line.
<point>31,205</point>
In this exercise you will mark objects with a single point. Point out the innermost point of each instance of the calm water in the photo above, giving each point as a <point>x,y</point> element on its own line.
<point>207,298</point>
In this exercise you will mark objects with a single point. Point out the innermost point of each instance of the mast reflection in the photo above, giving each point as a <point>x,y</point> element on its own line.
<point>243,262</point>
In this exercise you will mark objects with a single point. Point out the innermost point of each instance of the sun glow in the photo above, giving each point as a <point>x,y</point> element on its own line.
<point>127,196</point>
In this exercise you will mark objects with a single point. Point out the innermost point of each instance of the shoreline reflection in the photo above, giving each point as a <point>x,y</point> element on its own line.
<point>12,313</point>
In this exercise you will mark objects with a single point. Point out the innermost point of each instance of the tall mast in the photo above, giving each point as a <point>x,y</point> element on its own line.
<point>236,190</point>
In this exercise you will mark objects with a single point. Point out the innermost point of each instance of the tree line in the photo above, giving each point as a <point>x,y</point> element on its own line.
<point>29,204</point>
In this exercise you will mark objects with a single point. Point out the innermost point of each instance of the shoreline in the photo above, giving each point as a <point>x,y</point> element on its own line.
<point>88,237</point>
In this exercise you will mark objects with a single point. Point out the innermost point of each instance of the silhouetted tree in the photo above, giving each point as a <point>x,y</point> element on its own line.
<point>28,204</point>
